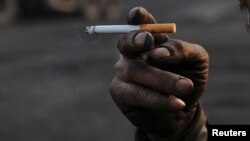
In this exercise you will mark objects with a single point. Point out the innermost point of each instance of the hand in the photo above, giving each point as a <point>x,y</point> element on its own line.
<point>158,81</point>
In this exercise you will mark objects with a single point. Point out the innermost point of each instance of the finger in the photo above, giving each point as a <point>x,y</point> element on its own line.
<point>139,15</point>
<point>138,96</point>
<point>189,60</point>
<point>176,52</point>
<point>135,43</point>
<point>164,82</point>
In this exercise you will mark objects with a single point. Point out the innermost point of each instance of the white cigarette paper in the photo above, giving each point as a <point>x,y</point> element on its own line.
<point>121,29</point>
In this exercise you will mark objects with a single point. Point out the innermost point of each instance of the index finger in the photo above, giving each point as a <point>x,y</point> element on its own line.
<point>140,15</point>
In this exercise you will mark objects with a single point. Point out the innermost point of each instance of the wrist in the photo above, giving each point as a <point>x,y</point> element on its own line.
<point>192,131</point>
<point>178,124</point>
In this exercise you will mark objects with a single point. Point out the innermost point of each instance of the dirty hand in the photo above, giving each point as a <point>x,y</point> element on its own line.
<point>158,81</point>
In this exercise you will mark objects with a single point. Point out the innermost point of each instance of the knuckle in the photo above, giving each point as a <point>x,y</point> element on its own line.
<point>115,90</point>
<point>118,66</point>
<point>126,43</point>
<point>203,52</point>
<point>185,50</point>
<point>131,68</point>
<point>126,69</point>
<point>176,48</point>
<point>145,99</point>
<point>179,45</point>
<point>203,56</point>
<point>140,95</point>
<point>120,43</point>
<point>131,71</point>
<point>137,69</point>
<point>120,69</point>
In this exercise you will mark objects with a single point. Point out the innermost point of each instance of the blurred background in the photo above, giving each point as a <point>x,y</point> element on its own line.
<point>54,79</point>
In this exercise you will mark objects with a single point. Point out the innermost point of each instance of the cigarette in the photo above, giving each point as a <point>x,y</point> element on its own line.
<point>120,29</point>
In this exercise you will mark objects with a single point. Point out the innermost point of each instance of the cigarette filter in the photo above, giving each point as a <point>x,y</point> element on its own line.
<point>120,29</point>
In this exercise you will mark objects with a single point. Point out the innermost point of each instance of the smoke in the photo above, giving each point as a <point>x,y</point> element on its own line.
<point>84,38</point>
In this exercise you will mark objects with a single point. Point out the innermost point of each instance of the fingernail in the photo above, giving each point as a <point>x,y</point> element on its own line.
<point>184,86</point>
<point>177,103</point>
<point>143,40</point>
<point>160,53</point>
